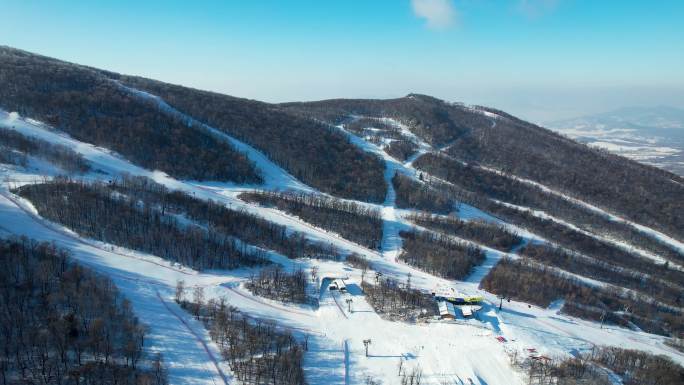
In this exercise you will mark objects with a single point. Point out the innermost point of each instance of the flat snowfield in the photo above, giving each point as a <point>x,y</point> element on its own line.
<point>453,352</point>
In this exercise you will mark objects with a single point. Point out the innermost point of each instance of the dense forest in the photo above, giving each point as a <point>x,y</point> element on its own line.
<point>90,107</point>
<point>411,194</point>
<point>358,262</point>
<point>478,185</point>
<point>93,211</point>
<point>236,223</point>
<point>16,148</point>
<point>435,121</point>
<point>258,351</point>
<point>601,250</point>
<point>277,284</point>
<point>366,126</point>
<point>671,293</point>
<point>638,367</point>
<point>488,234</point>
<point>645,194</point>
<point>528,281</point>
<point>63,324</point>
<point>313,152</point>
<point>398,301</point>
<point>439,255</point>
<point>352,221</point>
<point>401,149</point>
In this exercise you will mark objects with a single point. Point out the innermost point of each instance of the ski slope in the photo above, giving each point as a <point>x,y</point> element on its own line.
<point>274,176</point>
<point>446,352</point>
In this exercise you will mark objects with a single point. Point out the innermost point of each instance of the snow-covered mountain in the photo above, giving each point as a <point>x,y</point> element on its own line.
<point>651,135</point>
<point>319,242</point>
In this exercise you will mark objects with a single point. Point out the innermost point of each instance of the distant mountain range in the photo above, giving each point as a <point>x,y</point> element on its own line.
<point>651,135</point>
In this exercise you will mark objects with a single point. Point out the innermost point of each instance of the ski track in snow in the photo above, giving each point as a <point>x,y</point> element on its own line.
<point>199,339</point>
<point>677,245</point>
<point>445,351</point>
<point>274,176</point>
<point>621,245</point>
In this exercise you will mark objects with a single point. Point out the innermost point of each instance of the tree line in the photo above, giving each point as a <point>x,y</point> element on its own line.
<point>63,324</point>
<point>525,280</point>
<point>363,126</point>
<point>439,255</point>
<point>398,301</point>
<point>16,149</point>
<point>86,104</point>
<point>492,235</point>
<point>277,284</point>
<point>638,367</point>
<point>411,194</point>
<point>258,351</point>
<point>671,293</point>
<point>236,223</point>
<point>358,262</point>
<point>93,211</point>
<point>352,221</point>
<point>401,149</point>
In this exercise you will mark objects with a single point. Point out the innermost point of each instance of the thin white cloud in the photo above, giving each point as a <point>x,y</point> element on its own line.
<point>438,14</point>
<point>536,8</point>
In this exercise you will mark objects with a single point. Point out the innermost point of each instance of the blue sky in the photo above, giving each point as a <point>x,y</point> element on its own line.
<point>541,59</point>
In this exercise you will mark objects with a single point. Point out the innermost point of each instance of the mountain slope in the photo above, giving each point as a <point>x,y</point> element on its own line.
<point>472,200</point>
<point>89,106</point>
<point>93,106</point>
<point>500,141</point>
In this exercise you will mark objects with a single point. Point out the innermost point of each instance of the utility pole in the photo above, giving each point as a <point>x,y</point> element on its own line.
<point>349,302</point>
<point>603,318</point>
<point>366,343</point>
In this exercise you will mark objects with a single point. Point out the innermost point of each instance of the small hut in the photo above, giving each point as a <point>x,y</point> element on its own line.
<point>446,310</point>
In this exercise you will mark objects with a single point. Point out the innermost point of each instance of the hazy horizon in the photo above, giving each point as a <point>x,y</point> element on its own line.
<point>542,60</point>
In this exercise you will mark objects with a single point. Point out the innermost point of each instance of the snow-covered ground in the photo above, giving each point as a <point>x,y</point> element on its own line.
<point>446,352</point>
